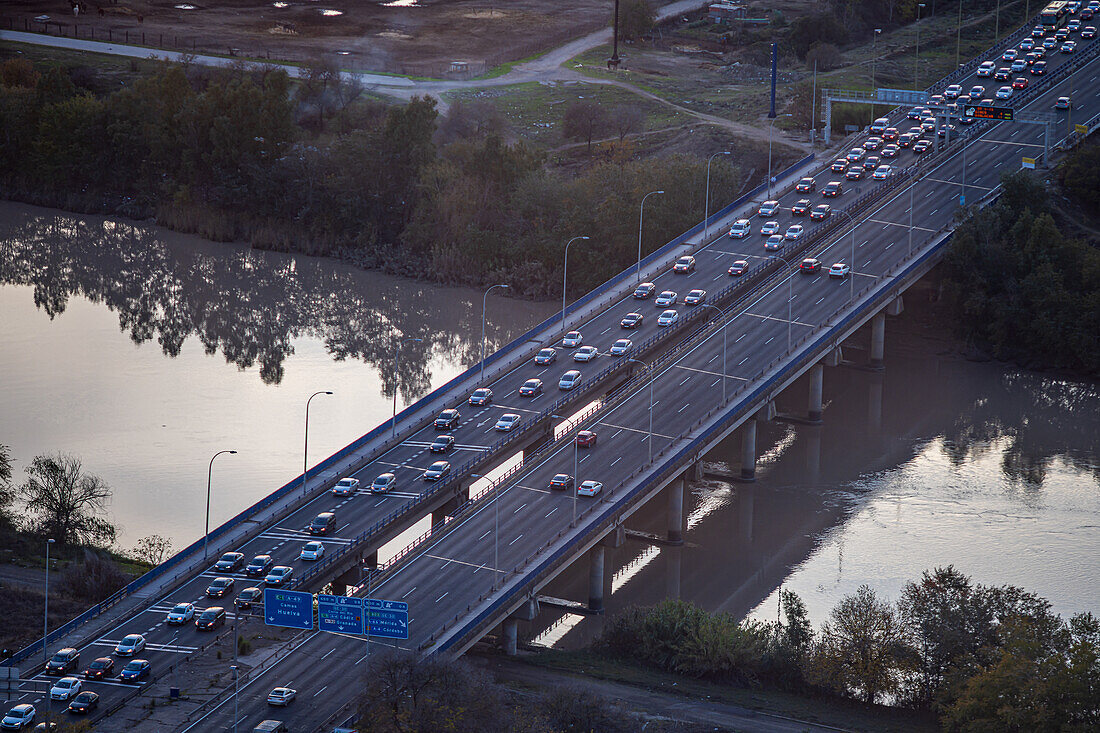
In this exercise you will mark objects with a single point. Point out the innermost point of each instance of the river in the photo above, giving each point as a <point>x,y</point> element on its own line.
<point>144,352</point>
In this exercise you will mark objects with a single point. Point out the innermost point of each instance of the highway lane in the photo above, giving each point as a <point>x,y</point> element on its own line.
<point>453,572</point>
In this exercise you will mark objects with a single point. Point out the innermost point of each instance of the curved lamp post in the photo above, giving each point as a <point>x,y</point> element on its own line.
<point>209,475</point>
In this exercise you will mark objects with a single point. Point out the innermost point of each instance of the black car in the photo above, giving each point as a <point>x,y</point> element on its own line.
<point>442,444</point>
<point>531,388</point>
<point>229,561</point>
<point>259,566</point>
<point>85,702</point>
<point>322,523</point>
<point>249,597</point>
<point>219,587</point>
<point>809,266</point>
<point>447,420</point>
<point>63,661</point>
<point>561,482</point>
<point>644,290</point>
<point>99,668</point>
<point>211,618</point>
<point>631,320</point>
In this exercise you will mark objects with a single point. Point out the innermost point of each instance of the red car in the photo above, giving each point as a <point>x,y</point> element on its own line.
<point>586,439</point>
<point>99,668</point>
<point>1019,82</point>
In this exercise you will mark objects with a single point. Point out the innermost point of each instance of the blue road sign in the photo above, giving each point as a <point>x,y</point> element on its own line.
<point>290,608</point>
<point>342,614</point>
<point>388,619</point>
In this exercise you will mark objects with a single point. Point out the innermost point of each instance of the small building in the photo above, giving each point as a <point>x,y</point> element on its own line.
<point>726,13</point>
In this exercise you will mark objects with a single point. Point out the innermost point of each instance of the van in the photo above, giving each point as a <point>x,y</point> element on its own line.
<point>879,126</point>
<point>270,726</point>
<point>740,229</point>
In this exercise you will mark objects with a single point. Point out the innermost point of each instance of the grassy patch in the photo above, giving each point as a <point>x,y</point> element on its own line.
<point>506,67</point>
<point>70,58</point>
<point>848,715</point>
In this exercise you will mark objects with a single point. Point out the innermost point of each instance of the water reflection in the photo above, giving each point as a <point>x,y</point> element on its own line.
<point>247,306</point>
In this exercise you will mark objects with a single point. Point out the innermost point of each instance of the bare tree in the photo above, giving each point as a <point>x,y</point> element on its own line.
<point>626,120</point>
<point>152,549</point>
<point>583,120</point>
<point>65,503</point>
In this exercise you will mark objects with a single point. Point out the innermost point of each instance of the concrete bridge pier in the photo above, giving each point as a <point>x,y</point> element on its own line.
<point>748,450</point>
<point>509,628</point>
<point>878,339</point>
<point>817,374</point>
<point>676,509</point>
<point>595,578</point>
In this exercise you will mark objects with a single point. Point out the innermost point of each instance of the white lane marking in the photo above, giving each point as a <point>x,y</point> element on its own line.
<point>514,541</point>
<point>519,507</point>
<point>410,590</point>
<point>616,461</point>
<point>742,361</point>
<point>769,340</point>
<point>326,655</point>
<point>819,300</point>
<point>437,600</point>
<point>479,539</point>
<point>741,337</point>
<point>686,405</point>
<point>551,512</point>
<point>320,691</point>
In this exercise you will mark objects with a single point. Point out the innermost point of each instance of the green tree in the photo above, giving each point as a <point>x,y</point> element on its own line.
<point>65,503</point>
<point>7,494</point>
<point>796,633</point>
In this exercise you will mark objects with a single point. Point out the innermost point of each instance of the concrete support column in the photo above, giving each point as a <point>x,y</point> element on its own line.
<point>439,516</point>
<point>817,373</point>
<point>748,450</point>
<point>509,636</point>
<point>878,339</point>
<point>672,571</point>
<point>595,578</point>
<point>676,510</point>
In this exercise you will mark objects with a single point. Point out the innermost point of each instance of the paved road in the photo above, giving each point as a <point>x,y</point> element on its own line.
<point>456,571</point>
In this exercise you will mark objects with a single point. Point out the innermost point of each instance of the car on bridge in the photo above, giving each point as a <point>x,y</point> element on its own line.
<point>210,619</point>
<point>586,439</point>
<point>695,297</point>
<point>258,566</point>
<point>1088,32</point>
<point>666,298</point>
<point>279,576</point>
<point>345,487</point>
<point>769,228</point>
<point>85,702</point>
<point>1068,47</point>
<point>1019,82</point>
<point>180,614</point>
<point>572,340</point>
<point>738,268</point>
<point>809,266</point>
<point>620,347</point>
<point>99,668</point>
<point>977,91</point>
<point>1009,54</point>
<point>805,185</point>
<point>1002,74</point>
<point>774,243</point>
<point>921,146</point>
<point>890,134</point>
<point>18,717</point>
<point>569,380</point>
<point>952,91</point>
<point>1050,43</point>
<point>794,232</point>
<point>229,562</point>
<point>801,207</point>
<point>890,151</point>
<point>589,488</point>
<point>839,166</point>
<point>585,354</point>
<point>872,143</point>
<point>281,696</point>
<point>65,688</point>
<point>684,265</point>
<point>561,482</point>
<point>130,645</point>
<point>820,212</point>
<point>448,419</point>
<point>907,139</point>
<point>546,356</point>
<point>442,443</point>
<point>854,173</point>
<point>1038,31</point>
<point>856,155</point>
<point>1062,103</point>
<point>645,290</point>
<point>437,470</point>
<point>531,388</point>
<point>63,661</point>
<point>135,669</point>
<point>249,597</point>
<point>882,172</point>
<point>632,320</point>
<point>1004,92</point>
<point>870,163</point>
<point>768,208</point>
<point>507,422</point>
<point>839,269</point>
<point>667,318</point>
<point>832,189</point>
<point>879,125</point>
<point>481,397</point>
<point>740,229</point>
<point>312,551</point>
<point>219,587</point>
<point>1027,44</point>
<point>321,524</point>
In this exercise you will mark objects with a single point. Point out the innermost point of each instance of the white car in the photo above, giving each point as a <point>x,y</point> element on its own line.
<point>181,613</point>
<point>1018,65</point>
<point>65,688</point>
<point>312,551</point>
<point>279,575</point>
<point>839,269</point>
<point>281,696</point>
<point>773,243</point>
<point>768,208</point>
<point>684,265</point>
<point>740,229</point>
<point>977,91</point>
<point>667,318</point>
<point>585,354</point>
<point>987,68</point>
<point>383,483</point>
<point>18,717</point>
<point>665,299</point>
<point>794,232</point>
<point>1004,93</point>
<point>572,340</point>
<point>345,487</point>
<point>621,346</point>
<point>953,91</point>
<point>1010,54</point>
<point>131,644</point>
<point>882,173</point>
<point>506,422</point>
<point>695,297</point>
<point>770,227</point>
<point>589,488</point>
<point>569,380</point>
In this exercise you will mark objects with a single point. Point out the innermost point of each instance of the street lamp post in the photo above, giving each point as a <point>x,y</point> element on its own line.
<point>46,612</point>
<point>564,280</point>
<point>209,475</point>
<point>916,56</point>
<point>958,35</point>
<point>397,379</point>
<point>724,323</point>
<point>706,206</point>
<point>484,304</point>
<point>651,377</point>
<point>305,448</point>
<point>641,210</point>
<point>771,126</point>
<point>236,691</point>
<point>874,61</point>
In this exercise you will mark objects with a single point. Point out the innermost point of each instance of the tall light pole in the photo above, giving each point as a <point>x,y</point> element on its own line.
<point>641,210</point>
<point>305,448</point>
<point>997,24</point>
<point>706,206</point>
<point>958,35</point>
<point>484,304</point>
<point>209,475</point>
<point>771,126</point>
<point>874,61</point>
<point>790,294</point>
<point>724,322</point>
<point>576,477</point>
<point>236,691</point>
<point>916,56</point>
<point>397,379</point>
<point>46,612</point>
<point>651,377</point>
<point>564,280</point>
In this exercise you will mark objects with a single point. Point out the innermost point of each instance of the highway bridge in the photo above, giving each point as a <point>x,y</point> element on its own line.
<point>499,533</point>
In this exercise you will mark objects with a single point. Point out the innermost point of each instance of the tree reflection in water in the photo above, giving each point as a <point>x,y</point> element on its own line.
<point>249,306</point>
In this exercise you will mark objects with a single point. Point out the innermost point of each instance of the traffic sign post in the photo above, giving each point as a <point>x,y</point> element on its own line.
<point>978,112</point>
<point>341,614</point>
<point>388,619</point>
<point>1081,129</point>
<point>1028,163</point>
<point>290,608</point>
